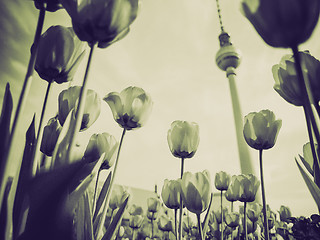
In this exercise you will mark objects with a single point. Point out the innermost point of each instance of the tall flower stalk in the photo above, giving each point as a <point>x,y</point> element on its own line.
<point>265,219</point>
<point>245,220</point>
<point>21,103</point>
<point>181,203</point>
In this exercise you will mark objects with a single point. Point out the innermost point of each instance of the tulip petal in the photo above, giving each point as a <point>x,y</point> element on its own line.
<point>114,101</point>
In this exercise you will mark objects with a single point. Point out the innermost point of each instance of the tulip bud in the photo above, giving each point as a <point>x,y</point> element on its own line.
<point>254,211</point>
<point>218,214</point>
<point>131,108</point>
<point>284,213</point>
<point>232,219</point>
<point>232,193</point>
<point>50,136</point>
<point>118,196</point>
<point>222,180</point>
<point>165,224</point>
<point>59,54</point>
<point>171,194</point>
<point>49,5</point>
<point>196,191</point>
<point>251,227</point>
<point>104,21</point>
<point>248,187</point>
<point>282,24</point>
<point>183,139</point>
<point>68,99</point>
<point>99,144</point>
<point>153,204</point>
<point>261,129</point>
<point>136,221</point>
<point>152,215</point>
<point>135,210</point>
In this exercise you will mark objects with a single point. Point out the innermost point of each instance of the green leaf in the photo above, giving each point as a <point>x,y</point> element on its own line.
<point>21,202</point>
<point>116,221</point>
<point>4,210</point>
<point>102,196</point>
<point>307,165</point>
<point>206,218</point>
<point>313,188</point>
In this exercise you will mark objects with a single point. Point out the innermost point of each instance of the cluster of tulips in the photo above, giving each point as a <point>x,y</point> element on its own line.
<point>57,196</point>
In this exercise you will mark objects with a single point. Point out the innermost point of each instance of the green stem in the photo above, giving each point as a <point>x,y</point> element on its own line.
<point>152,225</point>
<point>181,203</point>
<point>221,206</point>
<point>134,233</point>
<point>95,193</point>
<point>199,226</point>
<point>175,222</point>
<point>81,104</point>
<point>11,148</point>
<point>109,191</point>
<point>265,222</point>
<point>313,149</point>
<point>232,206</point>
<point>36,153</point>
<point>245,220</point>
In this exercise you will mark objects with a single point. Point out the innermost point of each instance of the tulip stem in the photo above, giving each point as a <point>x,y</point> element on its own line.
<point>81,104</point>
<point>245,220</point>
<point>181,204</point>
<point>199,226</point>
<point>36,161</point>
<point>152,214</point>
<point>109,191</point>
<point>313,149</point>
<point>231,206</point>
<point>221,227</point>
<point>175,223</point>
<point>265,220</point>
<point>95,193</point>
<point>11,148</point>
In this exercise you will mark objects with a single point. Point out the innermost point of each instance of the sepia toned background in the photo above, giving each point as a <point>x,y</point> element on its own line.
<point>170,53</point>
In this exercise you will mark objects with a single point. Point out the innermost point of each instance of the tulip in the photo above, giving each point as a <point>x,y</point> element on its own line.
<point>99,144</point>
<point>232,219</point>
<point>68,100</point>
<point>118,196</point>
<point>222,180</point>
<point>196,191</point>
<point>101,21</point>
<point>153,204</point>
<point>135,210</point>
<point>183,139</point>
<point>251,226</point>
<point>49,5</point>
<point>232,193</point>
<point>284,213</point>
<point>50,136</point>
<point>248,187</point>
<point>165,224</point>
<point>261,129</point>
<point>285,23</point>
<point>171,193</point>
<point>254,211</point>
<point>131,108</point>
<point>287,81</point>
<point>136,221</point>
<point>152,215</point>
<point>59,54</point>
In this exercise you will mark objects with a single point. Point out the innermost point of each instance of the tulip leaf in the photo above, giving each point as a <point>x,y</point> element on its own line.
<point>313,188</point>
<point>48,192</point>
<point>4,209</point>
<point>307,165</point>
<point>206,218</point>
<point>116,221</point>
<point>102,196</point>
<point>83,219</point>
<point>21,201</point>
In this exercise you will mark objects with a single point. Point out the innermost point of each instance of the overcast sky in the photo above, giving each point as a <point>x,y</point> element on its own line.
<point>170,53</point>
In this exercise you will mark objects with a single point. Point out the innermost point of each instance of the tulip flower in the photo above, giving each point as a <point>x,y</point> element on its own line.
<point>135,210</point>
<point>59,54</point>
<point>261,129</point>
<point>153,204</point>
<point>118,196</point>
<point>136,221</point>
<point>183,139</point>
<point>49,5</point>
<point>232,193</point>
<point>285,23</point>
<point>165,224</point>
<point>68,99</point>
<point>284,213</point>
<point>195,191</point>
<point>101,21</point>
<point>50,136</point>
<point>171,193</point>
<point>232,219</point>
<point>130,108</point>
<point>248,187</point>
<point>99,144</point>
<point>254,211</point>
<point>222,180</point>
<point>287,81</point>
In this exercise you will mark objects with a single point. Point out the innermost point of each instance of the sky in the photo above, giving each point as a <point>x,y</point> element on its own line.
<point>170,53</point>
